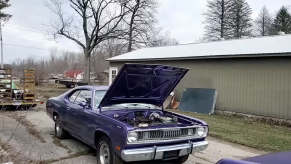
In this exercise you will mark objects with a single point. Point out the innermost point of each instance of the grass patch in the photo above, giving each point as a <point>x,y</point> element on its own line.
<point>51,90</point>
<point>246,132</point>
<point>48,94</point>
<point>75,155</point>
<point>58,143</point>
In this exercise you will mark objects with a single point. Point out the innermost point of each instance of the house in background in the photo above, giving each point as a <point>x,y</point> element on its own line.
<point>72,73</point>
<point>251,76</point>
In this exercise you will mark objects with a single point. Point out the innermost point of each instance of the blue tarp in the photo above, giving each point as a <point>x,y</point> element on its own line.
<point>200,100</point>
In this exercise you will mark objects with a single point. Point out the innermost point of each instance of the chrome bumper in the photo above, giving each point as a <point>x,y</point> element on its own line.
<point>156,153</point>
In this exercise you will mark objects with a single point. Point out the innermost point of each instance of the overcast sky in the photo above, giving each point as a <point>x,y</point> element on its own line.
<point>183,18</point>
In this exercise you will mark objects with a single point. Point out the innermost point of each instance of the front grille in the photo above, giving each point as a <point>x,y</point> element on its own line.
<point>162,134</point>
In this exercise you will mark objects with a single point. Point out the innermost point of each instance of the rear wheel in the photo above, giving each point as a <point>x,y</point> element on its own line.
<point>105,153</point>
<point>60,133</point>
<point>68,86</point>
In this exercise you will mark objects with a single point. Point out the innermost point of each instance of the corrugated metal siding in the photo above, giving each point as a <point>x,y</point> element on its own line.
<point>259,86</point>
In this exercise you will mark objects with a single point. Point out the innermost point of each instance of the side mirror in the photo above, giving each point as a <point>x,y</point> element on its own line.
<point>83,104</point>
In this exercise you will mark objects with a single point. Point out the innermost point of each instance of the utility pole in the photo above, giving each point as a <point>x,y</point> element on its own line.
<point>1,44</point>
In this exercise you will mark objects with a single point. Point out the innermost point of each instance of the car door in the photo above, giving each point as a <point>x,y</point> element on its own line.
<point>92,119</point>
<point>77,115</point>
<point>68,124</point>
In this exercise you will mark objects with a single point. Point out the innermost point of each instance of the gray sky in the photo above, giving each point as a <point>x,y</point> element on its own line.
<point>183,18</point>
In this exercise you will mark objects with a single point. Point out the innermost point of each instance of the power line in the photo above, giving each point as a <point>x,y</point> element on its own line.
<point>25,26</point>
<point>34,41</point>
<point>25,29</point>
<point>23,39</point>
<point>25,46</point>
<point>28,46</point>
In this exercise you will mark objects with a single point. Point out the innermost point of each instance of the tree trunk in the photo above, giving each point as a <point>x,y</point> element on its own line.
<point>222,20</point>
<point>86,76</point>
<point>130,33</point>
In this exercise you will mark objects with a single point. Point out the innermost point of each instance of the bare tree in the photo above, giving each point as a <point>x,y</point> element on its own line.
<point>114,47</point>
<point>100,65</point>
<point>217,19</point>
<point>160,38</point>
<point>241,20</point>
<point>140,21</point>
<point>263,22</point>
<point>201,40</point>
<point>99,20</point>
<point>53,53</point>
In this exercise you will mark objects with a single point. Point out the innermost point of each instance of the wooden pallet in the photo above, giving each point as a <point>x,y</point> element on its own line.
<point>6,82</point>
<point>28,86</point>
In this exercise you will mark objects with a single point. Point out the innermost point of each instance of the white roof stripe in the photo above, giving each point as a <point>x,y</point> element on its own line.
<point>261,45</point>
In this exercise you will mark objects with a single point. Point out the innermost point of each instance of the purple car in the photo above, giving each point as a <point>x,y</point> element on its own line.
<point>275,158</point>
<point>126,122</point>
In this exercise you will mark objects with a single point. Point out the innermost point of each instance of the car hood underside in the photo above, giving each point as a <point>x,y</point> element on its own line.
<point>141,83</point>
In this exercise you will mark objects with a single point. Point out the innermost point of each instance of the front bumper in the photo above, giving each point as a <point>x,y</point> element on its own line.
<point>156,153</point>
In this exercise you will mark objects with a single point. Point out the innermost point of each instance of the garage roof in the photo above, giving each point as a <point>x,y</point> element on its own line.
<point>262,46</point>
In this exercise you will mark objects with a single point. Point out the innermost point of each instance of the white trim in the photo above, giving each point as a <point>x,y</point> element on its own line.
<point>110,73</point>
<point>248,47</point>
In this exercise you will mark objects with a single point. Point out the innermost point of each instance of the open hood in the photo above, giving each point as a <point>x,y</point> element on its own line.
<point>143,83</point>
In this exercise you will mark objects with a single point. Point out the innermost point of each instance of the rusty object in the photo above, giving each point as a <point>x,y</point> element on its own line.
<point>28,85</point>
<point>6,84</point>
<point>176,105</point>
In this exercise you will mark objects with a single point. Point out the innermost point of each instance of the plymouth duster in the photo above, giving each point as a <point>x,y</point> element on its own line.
<point>126,121</point>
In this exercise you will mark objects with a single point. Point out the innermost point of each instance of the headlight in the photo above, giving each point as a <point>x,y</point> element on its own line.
<point>202,131</point>
<point>132,137</point>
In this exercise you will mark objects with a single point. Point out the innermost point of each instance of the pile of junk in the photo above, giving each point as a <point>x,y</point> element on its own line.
<point>12,95</point>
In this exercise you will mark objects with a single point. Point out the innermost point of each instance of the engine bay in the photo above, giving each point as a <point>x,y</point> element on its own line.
<point>147,118</point>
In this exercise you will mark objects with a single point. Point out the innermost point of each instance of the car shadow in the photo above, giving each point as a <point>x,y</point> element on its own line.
<point>92,152</point>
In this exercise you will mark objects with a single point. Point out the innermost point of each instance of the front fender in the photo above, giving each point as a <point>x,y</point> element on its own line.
<point>115,131</point>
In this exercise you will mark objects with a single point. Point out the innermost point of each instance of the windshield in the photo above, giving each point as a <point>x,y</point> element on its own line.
<point>98,97</point>
<point>130,106</point>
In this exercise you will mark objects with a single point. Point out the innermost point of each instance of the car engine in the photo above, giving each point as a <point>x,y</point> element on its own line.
<point>147,119</point>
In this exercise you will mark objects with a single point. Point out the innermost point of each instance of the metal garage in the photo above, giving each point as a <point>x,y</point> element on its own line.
<point>251,76</point>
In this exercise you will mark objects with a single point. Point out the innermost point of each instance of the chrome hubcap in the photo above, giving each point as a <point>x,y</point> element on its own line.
<point>58,128</point>
<point>104,153</point>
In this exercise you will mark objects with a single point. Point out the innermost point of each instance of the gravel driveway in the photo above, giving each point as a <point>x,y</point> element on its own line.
<point>71,150</point>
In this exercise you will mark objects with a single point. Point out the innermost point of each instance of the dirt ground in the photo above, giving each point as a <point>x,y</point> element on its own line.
<point>34,139</point>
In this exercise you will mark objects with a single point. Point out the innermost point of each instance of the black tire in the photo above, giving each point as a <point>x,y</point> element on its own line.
<point>68,86</point>
<point>181,160</point>
<point>113,158</point>
<point>60,133</point>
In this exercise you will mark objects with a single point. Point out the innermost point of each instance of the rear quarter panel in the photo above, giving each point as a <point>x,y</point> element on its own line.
<point>55,105</point>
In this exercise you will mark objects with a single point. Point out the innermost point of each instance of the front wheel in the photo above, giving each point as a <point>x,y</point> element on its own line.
<point>181,160</point>
<point>60,133</point>
<point>105,153</point>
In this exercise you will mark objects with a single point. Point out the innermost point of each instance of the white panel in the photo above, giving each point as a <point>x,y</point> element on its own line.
<point>112,73</point>
<point>260,45</point>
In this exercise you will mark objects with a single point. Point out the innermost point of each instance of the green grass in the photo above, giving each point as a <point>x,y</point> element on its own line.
<point>51,90</point>
<point>246,132</point>
<point>51,93</point>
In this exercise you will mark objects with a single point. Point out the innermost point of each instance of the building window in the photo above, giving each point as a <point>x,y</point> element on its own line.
<point>112,74</point>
